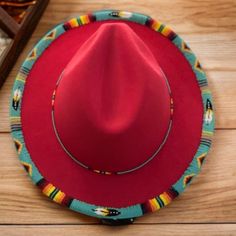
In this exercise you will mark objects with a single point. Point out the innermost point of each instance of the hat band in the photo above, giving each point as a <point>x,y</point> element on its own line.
<point>106,172</point>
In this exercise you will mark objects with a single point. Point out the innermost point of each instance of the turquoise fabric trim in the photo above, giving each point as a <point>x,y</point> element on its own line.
<point>110,15</point>
<point>88,209</point>
<point>208,119</point>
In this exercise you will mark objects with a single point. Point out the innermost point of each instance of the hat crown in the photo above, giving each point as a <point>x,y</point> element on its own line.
<point>105,97</point>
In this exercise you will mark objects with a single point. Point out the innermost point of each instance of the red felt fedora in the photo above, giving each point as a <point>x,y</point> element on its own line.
<point>111,114</point>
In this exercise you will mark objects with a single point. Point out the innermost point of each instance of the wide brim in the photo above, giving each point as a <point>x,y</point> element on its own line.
<point>116,196</point>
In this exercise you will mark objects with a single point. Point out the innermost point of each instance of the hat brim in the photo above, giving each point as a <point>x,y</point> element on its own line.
<point>117,196</point>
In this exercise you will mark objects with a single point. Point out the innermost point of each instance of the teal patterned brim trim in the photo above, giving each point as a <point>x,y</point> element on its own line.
<point>54,193</point>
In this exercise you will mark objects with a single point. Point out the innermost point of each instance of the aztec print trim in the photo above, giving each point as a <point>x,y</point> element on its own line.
<point>162,200</point>
<point>54,193</point>
<point>57,195</point>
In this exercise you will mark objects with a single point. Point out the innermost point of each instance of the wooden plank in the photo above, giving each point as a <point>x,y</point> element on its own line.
<point>216,51</point>
<point>222,84</point>
<point>210,198</point>
<point>211,36</point>
<point>186,14</point>
<point>160,229</point>
<point>208,206</point>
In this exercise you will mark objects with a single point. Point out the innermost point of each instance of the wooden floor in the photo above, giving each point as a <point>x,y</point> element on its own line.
<point>208,207</point>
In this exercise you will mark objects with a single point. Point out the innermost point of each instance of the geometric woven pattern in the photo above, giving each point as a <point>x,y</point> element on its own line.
<point>28,167</point>
<point>187,179</point>
<point>201,159</point>
<point>18,145</point>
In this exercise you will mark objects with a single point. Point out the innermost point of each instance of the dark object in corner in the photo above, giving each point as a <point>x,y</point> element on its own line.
<point>19,32</point>
<point>118,222</point>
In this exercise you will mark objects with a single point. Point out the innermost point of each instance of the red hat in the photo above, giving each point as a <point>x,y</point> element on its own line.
<point>111,114</point>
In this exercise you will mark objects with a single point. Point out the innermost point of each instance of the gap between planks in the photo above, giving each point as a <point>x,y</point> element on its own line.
<point>135,223</point>
<point>162,229</point>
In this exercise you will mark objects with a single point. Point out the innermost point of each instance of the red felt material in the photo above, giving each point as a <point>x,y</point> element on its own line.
<point>112,105</point>
<point>112,190</point>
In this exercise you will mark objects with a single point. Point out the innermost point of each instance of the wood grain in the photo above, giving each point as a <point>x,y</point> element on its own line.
<point>211,197</point>
<point>215,46</point>
<point>164,230</point>
<point>208,207</point>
